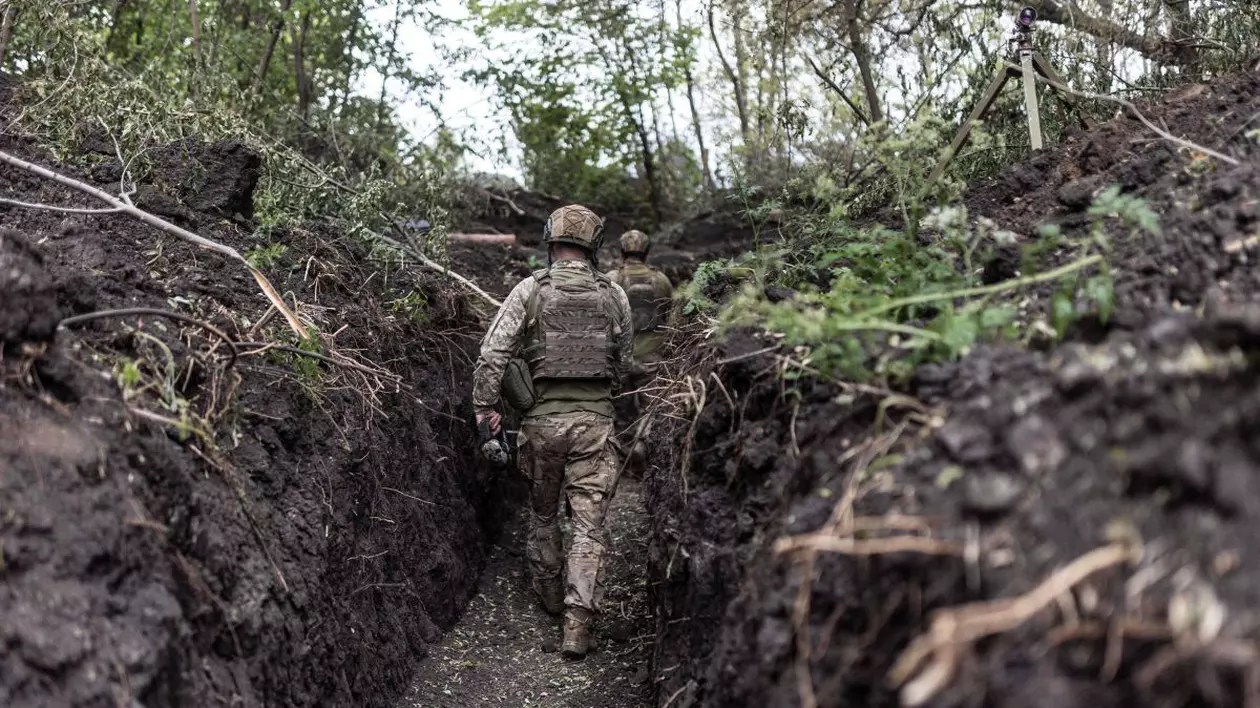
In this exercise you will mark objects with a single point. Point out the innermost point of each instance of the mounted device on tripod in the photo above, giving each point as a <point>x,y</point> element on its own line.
<point>1022,62</point>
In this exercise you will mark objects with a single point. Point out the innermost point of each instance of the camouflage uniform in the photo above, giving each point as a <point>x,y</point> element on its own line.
<point>650,295</point>
<point>566,441</point>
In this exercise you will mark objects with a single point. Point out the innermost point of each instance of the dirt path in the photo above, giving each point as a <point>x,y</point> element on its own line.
<point>503,651</point>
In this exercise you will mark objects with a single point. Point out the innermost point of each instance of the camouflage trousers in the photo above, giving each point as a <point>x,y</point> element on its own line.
<point>569,457</point>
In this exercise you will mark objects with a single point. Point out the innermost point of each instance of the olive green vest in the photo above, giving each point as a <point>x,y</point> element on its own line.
<point>649,308</point>
<point>571,350</point>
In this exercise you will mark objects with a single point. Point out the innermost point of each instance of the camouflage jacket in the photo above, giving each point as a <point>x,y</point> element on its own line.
<point>507,338</point>
<point>647,344</point>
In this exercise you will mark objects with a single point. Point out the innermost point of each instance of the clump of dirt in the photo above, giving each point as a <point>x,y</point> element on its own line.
<point>1011,464</point>
<point>180,529</point>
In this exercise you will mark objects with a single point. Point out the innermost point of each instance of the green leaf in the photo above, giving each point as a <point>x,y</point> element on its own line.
<point>1100,290</point>
<point>1062,312</point>
<point>959,331</point>
<point>997,316</point>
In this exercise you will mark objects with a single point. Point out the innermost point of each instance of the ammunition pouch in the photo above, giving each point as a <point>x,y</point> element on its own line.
<point>518,386</point>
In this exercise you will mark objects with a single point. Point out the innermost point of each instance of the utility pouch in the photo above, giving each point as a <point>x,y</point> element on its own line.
<point>518,386</point>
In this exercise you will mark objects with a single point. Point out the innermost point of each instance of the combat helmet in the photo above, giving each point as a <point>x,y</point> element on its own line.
<point>575,225</point>
<point>635,242</point>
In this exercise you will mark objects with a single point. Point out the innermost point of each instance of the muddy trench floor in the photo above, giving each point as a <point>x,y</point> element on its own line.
<point>503,652</point>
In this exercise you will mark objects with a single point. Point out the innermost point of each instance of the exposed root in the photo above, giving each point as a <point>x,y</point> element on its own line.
<point>129,311</point>
<point>873,547</point>
<point>928,664</point>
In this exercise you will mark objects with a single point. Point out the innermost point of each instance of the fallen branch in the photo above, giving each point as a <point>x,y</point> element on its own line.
<point>954,628</point>
<point>126,312</point>
<point>430,263</point>
<point>506,200</point>
<point>120,205</point>
<point>1011,284</point>
<point>58,209</point>
<point>1138,114</point>
<point>409,496</point>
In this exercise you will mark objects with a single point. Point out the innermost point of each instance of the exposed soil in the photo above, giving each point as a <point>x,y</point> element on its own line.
<point>1142,428</point>
<point>503,652</point>
<point>307,534</point>
<point>178,528</point>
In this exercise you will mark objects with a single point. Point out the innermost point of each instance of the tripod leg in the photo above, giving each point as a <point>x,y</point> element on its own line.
<point>964,130</point>
<point>1043,67</point>
<point>1030,100</point>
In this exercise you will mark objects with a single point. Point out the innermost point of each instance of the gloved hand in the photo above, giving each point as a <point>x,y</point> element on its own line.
<point>491,440</point>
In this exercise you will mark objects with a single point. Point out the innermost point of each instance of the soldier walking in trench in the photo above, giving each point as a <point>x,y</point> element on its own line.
<point>558,351</point>
<point>651,297</point>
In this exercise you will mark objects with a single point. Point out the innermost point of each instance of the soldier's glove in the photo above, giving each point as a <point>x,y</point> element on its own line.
<point>493,447</point>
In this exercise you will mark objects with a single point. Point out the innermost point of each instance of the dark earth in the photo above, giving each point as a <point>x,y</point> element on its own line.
<point>303,537</point>
<point>179,526</point>
<point>1016,462</point>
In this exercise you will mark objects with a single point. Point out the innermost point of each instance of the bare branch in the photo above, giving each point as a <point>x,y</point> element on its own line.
<point>126,312</point>
<point>58,209</point>
<point>839,91</point>
<point>268,289</point>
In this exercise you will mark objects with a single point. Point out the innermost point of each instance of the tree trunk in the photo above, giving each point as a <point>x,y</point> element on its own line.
<point>1102,52</point>
<point>196,33</point>
<point>115,16</point>
<point>1182,36</point>
<point>389,63</point>
<point>649,162</point>
<point>347,54</point>
<point>6,31</point>
<point>272,41</point>
<point>862,55</point>
<point>695,114</point>
<point>741,107</point>
<point>305,86</point>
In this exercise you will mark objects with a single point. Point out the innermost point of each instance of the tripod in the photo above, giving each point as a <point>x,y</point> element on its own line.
<point>1029,60</point>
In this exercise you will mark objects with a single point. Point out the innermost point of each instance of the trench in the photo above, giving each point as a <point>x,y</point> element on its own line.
<point>332,555</point>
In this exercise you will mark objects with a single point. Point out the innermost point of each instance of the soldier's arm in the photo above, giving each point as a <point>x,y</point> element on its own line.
<point>625,340</point>
<point>502,341</point>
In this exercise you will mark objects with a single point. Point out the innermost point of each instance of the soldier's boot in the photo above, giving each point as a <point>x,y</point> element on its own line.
<point>577,634</point>
<point>551,592</point>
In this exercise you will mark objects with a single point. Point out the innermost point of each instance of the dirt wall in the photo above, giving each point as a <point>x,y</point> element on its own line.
<point>1135,434</point>
<point>300,548</point>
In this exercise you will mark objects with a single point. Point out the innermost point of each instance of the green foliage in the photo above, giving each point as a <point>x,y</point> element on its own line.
<point>144,75</point>
<point>414,305</point>
<point>581,95</point>
<point>264,257</point>
<point>871,301</point>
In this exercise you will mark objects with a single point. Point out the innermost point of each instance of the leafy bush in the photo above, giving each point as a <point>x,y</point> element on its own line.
<point>873,301</point>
